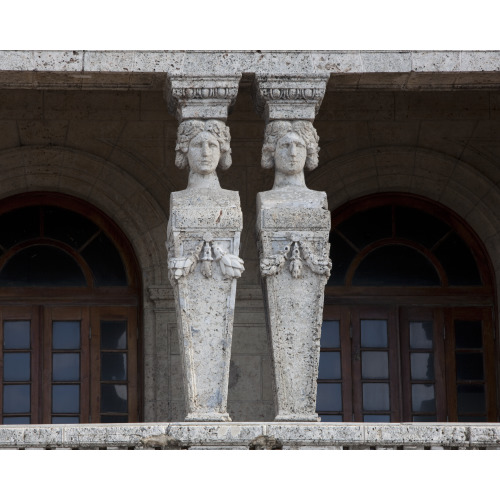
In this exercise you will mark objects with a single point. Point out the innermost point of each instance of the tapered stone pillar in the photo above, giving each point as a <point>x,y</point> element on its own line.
<point>203,242</point>
<point>293,225</point>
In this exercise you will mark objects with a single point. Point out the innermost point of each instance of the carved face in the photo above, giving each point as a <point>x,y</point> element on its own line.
<point>290,155</point>
<point>203,153</point>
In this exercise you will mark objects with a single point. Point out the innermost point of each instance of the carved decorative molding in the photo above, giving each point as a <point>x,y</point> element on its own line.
<point>206,98</point>
<point>289,97</point>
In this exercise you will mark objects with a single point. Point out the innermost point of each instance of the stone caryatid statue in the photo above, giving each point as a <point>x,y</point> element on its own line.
<point>293,225</point>
<point>203,245</point>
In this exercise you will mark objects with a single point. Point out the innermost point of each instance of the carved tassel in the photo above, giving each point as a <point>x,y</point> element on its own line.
<point>206,261</point>
<point>296,262</point>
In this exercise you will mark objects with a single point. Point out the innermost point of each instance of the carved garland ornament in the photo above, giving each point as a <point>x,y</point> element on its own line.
<point>204,93</point>
<point>231,265</point>
<point>273,265</point>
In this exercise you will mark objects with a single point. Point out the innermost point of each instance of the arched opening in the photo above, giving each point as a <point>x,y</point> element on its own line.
<point>69,304</point>
<point>408,332</point>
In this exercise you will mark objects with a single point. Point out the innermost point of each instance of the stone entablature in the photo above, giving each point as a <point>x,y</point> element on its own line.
<point>253,436</point>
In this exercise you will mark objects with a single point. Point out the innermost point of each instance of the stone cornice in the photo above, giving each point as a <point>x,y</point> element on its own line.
<point>160,293</point>
<point>289,97</point>
<point>208,97</point>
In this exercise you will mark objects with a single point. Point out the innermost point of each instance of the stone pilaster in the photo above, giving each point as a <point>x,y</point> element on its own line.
<point>203,240</point>
<point>293,225</point>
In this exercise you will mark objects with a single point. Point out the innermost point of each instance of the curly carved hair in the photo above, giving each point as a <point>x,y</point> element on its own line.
<point>189,129</point>
<point>277,129</point>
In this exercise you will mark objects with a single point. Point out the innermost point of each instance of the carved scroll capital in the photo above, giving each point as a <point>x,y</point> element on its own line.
<point>289,97</point>
<point>202,98</point>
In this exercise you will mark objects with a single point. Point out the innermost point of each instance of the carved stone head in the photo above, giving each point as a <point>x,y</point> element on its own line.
<point>203,145</point>
<point>290,146</point>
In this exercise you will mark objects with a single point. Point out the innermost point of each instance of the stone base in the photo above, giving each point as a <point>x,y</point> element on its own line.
<point>208,417</point>
<point>297,417</point>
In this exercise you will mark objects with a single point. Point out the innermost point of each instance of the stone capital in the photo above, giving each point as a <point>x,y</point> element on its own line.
<point>201,97</point>
<point>289,97</point>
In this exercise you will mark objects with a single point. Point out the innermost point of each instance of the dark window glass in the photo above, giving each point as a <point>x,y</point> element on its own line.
<point>16,335</point>
<point>377,418</point>
<point>330,334</point>
<point>374,364</point>
<point>66,367</point>
<point>105,262</point>
<point>67,226</point>
<point>16,420</point>
<point>329,397</point>
<point>114,419</point>
<point>373,333</point>
<point>66,420</point>
<point>419,226</point>
<point>66,335</point>
<point>469,366</point>
<point>423,398</point>
<point>114,398</point>
<point>113,366</point>
<point>16,398</point>
<point>66,398</point>
<point>16,366</point>
<point>376,396</point>
<point>458,262</point>
<point>113,334</point>
<point>470,399</point>
<point>468,334</point>
<point>472,418</point>
<point>422,365</point>
<point>331,418</point>
<point>395,265</point>
<point>424,418</point>
<point>421,334</point>
<point>19,225</point>
<point>41,265</point>
<point>366,227</point>
<point>342,255</point>
<point>329,365</point>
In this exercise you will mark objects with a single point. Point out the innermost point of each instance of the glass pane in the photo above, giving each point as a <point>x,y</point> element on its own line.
<point>395,265</point>
<point>458,262</point>
<point>113,334</point>
<point>16,398</point>
<point>423,398</point>
<point>16,366</point>
<point>105,262</point>
<point>342,255</point>
<point>469,366</point>
<point>330,334</point>
<point>66,367</point>
<point>419,226</point>
<point>329,365</point>
<point>114,398</point>
<point>424,418</point>
<point>329,397</point>
<point>16,334</point>
<point>376,396</point>
<point>67,226</point>
<point>16,420</point>
<point>468,334</point>
<point>421,334</point>
<point>376,418</point>
<point>470,399</point>
<point>374,364</point>
<point>331,418</point>
<point>66,398</point>
<point>373,333</point>
<point>42,265</point>
<point>113,366</point>
<point>66,420</point>
<point>472,418</point>
<point>422,365</point>
<point>114,419</point>
<point>66,335</point>
<point>368,226</point>
<point>19,225</point>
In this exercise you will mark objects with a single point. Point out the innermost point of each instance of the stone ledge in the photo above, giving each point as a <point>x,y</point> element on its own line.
<point>252,435</point>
